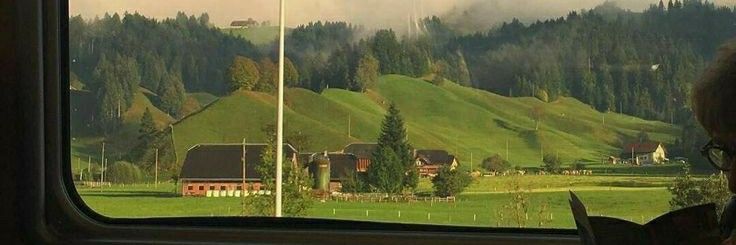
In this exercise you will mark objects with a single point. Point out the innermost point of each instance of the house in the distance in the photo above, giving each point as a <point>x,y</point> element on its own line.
<point>363,152</point>
<point>644,153</point>
<point>217,169</point>
<point>429,162</point>
<point>244,23</point>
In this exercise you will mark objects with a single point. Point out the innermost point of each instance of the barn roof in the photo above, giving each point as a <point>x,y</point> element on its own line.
<point>435,157</point>
<point>224,161</point>
<point>640,148</point>
<point>361,150</point>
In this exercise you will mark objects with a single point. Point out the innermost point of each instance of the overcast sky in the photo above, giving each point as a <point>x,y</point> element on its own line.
<point>370,13</point>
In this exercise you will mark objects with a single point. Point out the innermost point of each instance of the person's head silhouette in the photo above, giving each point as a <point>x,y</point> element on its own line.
<point>714,104</point>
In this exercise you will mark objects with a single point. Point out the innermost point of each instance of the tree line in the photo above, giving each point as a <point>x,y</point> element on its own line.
<point>113,56</point>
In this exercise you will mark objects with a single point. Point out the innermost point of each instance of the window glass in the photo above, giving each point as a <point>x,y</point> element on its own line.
<point>467,113</point>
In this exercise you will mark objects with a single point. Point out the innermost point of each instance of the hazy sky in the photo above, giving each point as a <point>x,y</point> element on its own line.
<point>370,13</point>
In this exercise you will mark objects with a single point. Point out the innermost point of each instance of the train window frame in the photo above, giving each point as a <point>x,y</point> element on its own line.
<point>59,215</point>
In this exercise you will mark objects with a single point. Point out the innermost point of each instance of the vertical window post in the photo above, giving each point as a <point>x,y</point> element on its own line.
<point>280,115</point>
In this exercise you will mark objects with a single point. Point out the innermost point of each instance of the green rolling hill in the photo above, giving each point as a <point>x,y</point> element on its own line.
<point>464,121</point>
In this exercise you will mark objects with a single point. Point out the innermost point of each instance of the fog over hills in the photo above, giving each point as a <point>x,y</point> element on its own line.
<point>369,13</point>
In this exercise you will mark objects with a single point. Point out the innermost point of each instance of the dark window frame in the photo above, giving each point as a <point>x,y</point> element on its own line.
<point>55,213</point>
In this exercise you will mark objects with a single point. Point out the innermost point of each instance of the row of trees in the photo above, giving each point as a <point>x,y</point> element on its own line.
<point>246,74</point>
<point>114,55</point>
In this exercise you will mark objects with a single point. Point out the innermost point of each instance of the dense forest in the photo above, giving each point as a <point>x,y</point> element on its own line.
<point>641,64</point>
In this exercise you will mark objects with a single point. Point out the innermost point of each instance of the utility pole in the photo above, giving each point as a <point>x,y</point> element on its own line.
<point>280,112</point>
<point>507,150</point>
<point>79,165</point>
<point>242,187</point>
<point>89,166</point>
<point>118,108</point>
<point>471,162</point>
<point>102,163</point>
<point>176,158</point>
<point>155,178</point>
<point>541,151</point>
<point>102,172</point>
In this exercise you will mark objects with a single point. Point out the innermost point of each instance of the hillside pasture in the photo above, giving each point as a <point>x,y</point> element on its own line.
<point>471,124</point>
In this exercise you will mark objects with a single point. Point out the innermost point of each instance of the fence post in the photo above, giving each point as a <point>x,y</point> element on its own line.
<point>399,213</point>
<point>474,218</point>
<point>429,216</point>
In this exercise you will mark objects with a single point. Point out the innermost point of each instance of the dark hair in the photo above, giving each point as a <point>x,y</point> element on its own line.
<point>714,95</point>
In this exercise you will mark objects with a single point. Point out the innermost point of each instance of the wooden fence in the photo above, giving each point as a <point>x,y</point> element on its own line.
<point>373,197</point>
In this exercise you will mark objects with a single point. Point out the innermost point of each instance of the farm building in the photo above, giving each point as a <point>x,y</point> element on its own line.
<point>644,153</point>
<point>429,162</point>
<point>363,152</point>
<point>244,23</point>
<point>217,169</point>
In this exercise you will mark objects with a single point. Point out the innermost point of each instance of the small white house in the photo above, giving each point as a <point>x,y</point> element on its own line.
<point>644,153</point>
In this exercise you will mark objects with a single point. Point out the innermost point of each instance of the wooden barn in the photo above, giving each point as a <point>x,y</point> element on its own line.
<point>217,169</point>
<point>363,152</point>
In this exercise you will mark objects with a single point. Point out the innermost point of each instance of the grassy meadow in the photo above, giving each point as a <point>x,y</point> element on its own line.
<point>618,196</point>
<point>469,123</point>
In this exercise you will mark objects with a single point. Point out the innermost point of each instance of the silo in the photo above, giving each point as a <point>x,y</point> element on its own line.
<point>321,173</point>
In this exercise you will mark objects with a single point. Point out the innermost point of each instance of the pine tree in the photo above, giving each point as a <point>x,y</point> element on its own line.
<point>393,139</point>
<point>463,74</point>
<point>387,50</point>
<point>109,96</point>
<point>385,173</point>
<point>172,94</point>
<point>147,130</point>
